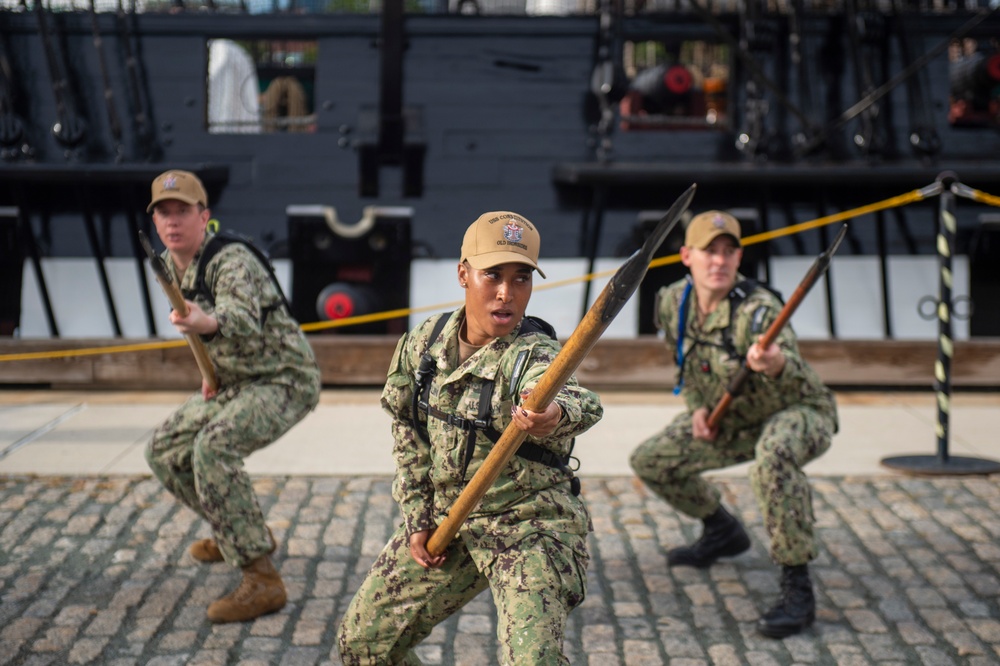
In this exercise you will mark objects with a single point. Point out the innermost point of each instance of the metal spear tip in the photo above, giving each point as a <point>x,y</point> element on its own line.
<point>666,223</point>
<point>146,245</point>
<point>155,261</point>
<point>837,241</point>
<point>626,280</point>
<point>639,260</point>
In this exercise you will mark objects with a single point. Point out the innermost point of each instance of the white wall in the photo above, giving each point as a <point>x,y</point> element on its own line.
<point>78,303</point>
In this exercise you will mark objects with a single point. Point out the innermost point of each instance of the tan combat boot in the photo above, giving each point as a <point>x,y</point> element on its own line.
<point>207,550</point>
<point>259,593</point>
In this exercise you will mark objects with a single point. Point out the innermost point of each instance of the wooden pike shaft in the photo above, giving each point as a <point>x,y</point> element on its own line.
<point>610,301</point>
<point>177,302</point>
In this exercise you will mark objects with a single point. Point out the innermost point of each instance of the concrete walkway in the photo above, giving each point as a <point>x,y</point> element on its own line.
<point>94,566</point>
<point>83,434</point>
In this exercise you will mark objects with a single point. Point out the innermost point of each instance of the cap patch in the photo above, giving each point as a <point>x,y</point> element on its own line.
<point>512,234</point>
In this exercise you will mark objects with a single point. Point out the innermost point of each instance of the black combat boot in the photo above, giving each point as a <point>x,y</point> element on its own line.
<point>796,609</point>
<point>723,536</point>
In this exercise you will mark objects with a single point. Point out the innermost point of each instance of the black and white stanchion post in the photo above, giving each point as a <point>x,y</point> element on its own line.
<point>943,462</point>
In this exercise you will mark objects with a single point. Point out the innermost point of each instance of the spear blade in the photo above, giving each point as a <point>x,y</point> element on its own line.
<point>155,260</point>
<point>626,280</point>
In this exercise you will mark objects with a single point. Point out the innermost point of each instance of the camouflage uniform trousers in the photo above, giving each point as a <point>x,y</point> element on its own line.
<point>535,585</point>
<point>671,464</point>
<point>197,454</point>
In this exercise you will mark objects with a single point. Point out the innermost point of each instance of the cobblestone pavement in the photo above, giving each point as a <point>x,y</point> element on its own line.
<point>96,571</point>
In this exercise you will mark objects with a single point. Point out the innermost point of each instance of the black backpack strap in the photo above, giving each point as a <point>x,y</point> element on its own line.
<point>212,248</point>
<point>535,453</point>
<point>737,295</point>
<point>424,374</point>
<point>482,422</point>
<point>532,324</point>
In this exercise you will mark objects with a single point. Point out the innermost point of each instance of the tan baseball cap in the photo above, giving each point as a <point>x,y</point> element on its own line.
<point>706,227</point>
<point>181,185</point>
<point>501,237</point>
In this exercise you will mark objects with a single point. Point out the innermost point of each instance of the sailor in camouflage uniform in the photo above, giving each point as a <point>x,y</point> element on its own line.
<point>268,381</point>
<point>783,418</point>
<point>526,541</point>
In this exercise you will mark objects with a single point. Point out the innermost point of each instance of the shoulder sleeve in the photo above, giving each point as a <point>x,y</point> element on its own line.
<point>411,487</point>
<point>666,310</point>
<point>398,375</point>
<point>660,312</point>
<point>401,376</point>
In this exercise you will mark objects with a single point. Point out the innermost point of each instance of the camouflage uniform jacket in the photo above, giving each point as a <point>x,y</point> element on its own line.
<point>246,349</point>
<point>527,497</point>
<point>708,367</point>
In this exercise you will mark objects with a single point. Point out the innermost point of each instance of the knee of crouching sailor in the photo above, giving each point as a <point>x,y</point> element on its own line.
<point>642,460</point>
<point>350,644</point>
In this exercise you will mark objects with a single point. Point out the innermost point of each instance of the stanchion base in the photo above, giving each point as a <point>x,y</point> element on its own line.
<point>935,465</point>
